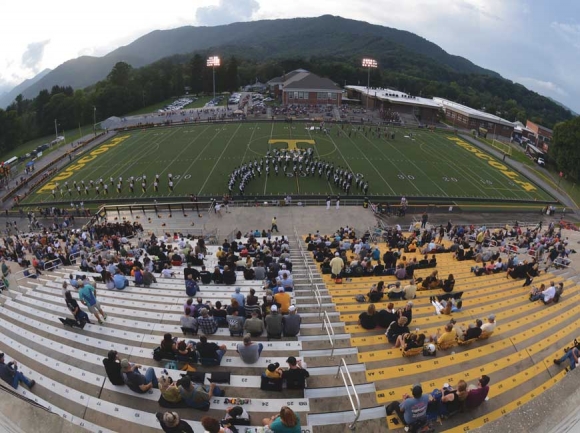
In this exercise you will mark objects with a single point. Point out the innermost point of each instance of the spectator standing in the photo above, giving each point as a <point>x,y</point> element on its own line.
<point>88,296</point>
<point>275,225</point>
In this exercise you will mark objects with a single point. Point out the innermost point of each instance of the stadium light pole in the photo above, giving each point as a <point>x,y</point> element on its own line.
<point>369,63</point>
<point>94,120</point>
<point>55,130</point>
<point>213,61</point>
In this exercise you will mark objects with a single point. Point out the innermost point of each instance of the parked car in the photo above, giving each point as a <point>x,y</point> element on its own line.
<point>541,162</point>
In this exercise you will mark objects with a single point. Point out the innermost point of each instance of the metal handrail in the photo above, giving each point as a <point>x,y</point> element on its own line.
<point>51,261</point>
<point>318,299</point>
<point>342,368</point>
<point>329,331</point>
<point>30,270</point>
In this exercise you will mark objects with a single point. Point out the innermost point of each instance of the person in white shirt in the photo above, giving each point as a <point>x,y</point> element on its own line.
<point>490,325</point>
<point>546,295</point>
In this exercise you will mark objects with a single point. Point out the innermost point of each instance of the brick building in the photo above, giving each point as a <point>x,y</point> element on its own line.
<point>303,87</point>
<point>465,117</point>
<point>543,135</point>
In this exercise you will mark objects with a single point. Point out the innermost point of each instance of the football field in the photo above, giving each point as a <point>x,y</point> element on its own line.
<point>415,163</point>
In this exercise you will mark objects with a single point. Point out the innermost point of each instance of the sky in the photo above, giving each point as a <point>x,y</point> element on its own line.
<point>534,42</point>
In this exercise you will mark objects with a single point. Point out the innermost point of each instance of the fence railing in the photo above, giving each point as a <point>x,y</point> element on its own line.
<point>54,264</point>
<point>20,274</point>
<point>350,391</point>
<point>327,325</point>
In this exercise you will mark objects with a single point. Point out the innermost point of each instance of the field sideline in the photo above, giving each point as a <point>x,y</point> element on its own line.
<point>201,157</point>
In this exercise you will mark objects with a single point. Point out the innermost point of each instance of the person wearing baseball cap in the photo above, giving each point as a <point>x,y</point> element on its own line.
<point>9,373</point>
<point>296,374</point>
<point>413,408</point>
<point>291,322</point>
<point>489,327</point>
<point>274,323</point>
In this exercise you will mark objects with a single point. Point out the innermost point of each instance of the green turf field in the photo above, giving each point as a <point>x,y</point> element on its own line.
<point>200,157</point>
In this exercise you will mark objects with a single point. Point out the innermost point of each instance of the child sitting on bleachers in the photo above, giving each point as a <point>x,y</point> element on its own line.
<point>274,371</point>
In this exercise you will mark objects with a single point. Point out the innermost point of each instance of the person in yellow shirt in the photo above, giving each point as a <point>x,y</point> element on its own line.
<point>220,253</point>
<point>283,299</point>
<point>447,338</point>
<point>274,371</point>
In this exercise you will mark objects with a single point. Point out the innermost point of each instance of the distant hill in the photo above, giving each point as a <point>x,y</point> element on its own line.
<point>8,97</point>
<point>325,35</point>
<point>562,105</point>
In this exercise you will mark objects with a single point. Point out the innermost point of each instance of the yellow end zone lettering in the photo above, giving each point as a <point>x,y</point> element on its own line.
<point>80,164</point>
<point>515,177</point>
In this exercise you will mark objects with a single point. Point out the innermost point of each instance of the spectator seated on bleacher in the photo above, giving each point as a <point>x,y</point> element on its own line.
<point>229,276</point>
<point>445,340</point>
<point>271,379</point>
<point>472,332</point>
<point>80,316</point>
<point>368,319</point>
<point>284,422</point>
<point>476,395</point>
<point>205,275</point>
<point>170,395</point>
<point>9,373</point>
<point>171,423</point>
<point>489,327</point>
<point>254,325</point>
<point>236,415</point>
<point>401,272</point>
<point>396,328</point>
<point>267,302</point>
<point>188,322</point>
<point>136,381</point>
<point>217,276</point>
<point>166,272</point>
<point>412,410</point>
<point>395,291</point>
<point>210,354</point>
<point>198,396</point>
<point>249,273</point>
<point>550,295</point>
<point>377,292</point>
<point>274,327</point>
<point>235,322</point>
<point>385,317</point>
<point>448,284</point>
<point>206,323</point>
<point>239,297</point>
<point>296,374</point>
<point>249,351</point>
<point>410,341</point>
<point>291,322</point>
<point>410,290</point>
<point>283,300</point>
<point>112,365</point>
<point>286,281</point>
<point>120,280</point>
<point>431,281</point>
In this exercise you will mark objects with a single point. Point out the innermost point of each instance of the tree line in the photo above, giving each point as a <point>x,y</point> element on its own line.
<point>126,89</point>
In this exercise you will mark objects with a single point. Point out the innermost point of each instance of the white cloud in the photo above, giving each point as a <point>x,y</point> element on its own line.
<point>32,57</point>
<point>569,32</point>
<point>542,87</point>
<point>226,12</point>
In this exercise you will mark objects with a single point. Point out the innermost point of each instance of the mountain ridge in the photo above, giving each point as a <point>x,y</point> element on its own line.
<point>264,37</point>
